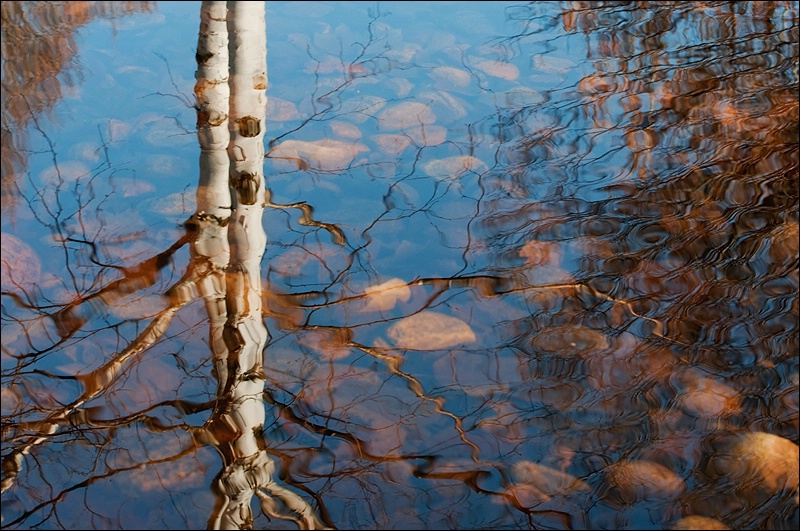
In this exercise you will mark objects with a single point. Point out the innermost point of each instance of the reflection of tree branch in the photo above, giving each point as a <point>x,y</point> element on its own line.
<point>393,363</point>
<point>307,219</point>
<point>39,58</point>
<point>327,97</point>
<point>582,287</point>
<point>92,480</point>
<point>232,40</point>
<point>141,276</point>
<point>93,383</point>
<point>297,505</point>
<point>81,418</point>
<point>486,285</point>
<point>326,431</point>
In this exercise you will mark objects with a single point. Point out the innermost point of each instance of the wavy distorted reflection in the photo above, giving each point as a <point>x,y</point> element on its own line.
<point>44,33</point>
<point>497,284</point>
<point>226,245</point>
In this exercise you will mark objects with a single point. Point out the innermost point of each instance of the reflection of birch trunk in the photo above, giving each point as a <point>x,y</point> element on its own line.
<point>236,425</point>
<point>213,196</point>
<point>246,334</point>
<point>227,242</point>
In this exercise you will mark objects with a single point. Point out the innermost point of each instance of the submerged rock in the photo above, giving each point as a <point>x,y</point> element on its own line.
<point>429,330</point>
<point>522,97</point>
<point>20,264</point>
<point>322,155</point>
<point>570,341</point>
<point>698,523</point>
<point>404,115</point>
<point>499,69</point>
<point>707,398</point>
<point>448,77</point>
<point>547,482</point>
<point>634,481</point>
<point>385,296</point>
<point>451,168</point>
<point>759,462</point>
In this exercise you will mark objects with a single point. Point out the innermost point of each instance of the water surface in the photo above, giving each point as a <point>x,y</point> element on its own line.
<point>527,266</point>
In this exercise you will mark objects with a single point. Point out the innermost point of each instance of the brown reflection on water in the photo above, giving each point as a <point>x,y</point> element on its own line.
<point>39,65</point>
<point>685,236</point>
<point>616,348</point>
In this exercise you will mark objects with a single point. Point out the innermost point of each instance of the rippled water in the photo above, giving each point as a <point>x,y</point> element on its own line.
<point>527,266</point>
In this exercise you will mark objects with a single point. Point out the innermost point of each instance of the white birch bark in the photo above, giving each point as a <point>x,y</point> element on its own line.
<point>212,92</point>
<point>242,412</point>
<point>236,425</point>
<point>245,332</point>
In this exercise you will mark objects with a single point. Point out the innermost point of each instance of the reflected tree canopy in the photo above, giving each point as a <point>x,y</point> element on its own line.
<point>38,47</point>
